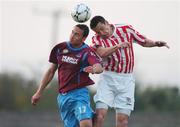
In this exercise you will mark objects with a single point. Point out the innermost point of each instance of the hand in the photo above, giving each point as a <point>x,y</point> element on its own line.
<point>124,45</point>
<point>161,44</point>
<point>35,98</point>
<point>89,69</point>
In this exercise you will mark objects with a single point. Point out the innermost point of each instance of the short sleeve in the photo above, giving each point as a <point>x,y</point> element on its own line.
<point>96,42</point>
<point>137,37</point>
<point>53,56</point>
<point>93,58</point>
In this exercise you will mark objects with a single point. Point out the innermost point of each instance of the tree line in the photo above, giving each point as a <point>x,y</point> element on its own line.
<point>16,92</point>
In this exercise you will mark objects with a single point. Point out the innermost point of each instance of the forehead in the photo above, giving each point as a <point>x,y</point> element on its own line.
<point>77,30</point>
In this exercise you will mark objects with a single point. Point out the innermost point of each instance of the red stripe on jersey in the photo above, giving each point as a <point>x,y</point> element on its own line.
<point>118,56</point>
<point>122,62</point>
<point>113,59</point>
<point>125,51</point>
<point>98,38</point>
<point>128,65</point>
<point>137,36</point>
<point>119,34</point>
<point>127,59</point>
<point>132,66</point>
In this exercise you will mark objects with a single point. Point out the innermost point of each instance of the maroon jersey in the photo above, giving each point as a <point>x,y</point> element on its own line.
<point>71,62</point>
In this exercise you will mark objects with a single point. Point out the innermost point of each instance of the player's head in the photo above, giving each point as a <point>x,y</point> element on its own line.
<point>79,34</point>
<point>99,25</point>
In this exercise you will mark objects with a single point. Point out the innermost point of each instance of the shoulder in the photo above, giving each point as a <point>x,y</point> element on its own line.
<point>123,25</point>
<point>60,45</point>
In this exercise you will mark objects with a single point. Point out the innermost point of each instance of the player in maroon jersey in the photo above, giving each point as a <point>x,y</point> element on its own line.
<point>116,85</point>
<point>74,61</point>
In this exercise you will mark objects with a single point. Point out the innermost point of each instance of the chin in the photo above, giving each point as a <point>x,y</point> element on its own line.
<point>105,37</point>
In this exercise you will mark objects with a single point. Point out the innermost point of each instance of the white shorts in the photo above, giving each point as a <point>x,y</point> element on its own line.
<point>116,90</point>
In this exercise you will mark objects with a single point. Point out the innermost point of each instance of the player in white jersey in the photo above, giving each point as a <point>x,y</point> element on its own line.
<point>117,84</point>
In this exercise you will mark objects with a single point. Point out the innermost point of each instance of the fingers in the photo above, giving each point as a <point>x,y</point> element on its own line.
<point>167,46</point>
<point>33,101</point>
<point>88,69</point>
<point>35,98</point>
<point>161,44</point>
<point>124,45</point>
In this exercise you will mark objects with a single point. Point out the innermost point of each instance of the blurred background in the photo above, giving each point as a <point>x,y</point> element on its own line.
<point>29,30</point>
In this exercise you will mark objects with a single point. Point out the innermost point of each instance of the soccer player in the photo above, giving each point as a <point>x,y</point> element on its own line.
<point>74,61</point>
<point>116,85</point>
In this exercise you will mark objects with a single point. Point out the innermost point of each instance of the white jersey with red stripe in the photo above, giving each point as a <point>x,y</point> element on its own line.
<point>121,61</point>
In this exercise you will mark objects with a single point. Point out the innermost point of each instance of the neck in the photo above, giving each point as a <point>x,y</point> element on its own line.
<point>111,29</point>
<point>76,45</point>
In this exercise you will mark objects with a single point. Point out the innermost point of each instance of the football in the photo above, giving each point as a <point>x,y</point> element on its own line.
<point>81,13</point>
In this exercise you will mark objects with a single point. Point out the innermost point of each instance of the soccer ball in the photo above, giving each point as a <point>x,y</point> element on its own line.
<point>81,13</point>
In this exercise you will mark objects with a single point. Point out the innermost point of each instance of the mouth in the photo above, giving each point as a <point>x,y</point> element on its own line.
<point>105,36</point>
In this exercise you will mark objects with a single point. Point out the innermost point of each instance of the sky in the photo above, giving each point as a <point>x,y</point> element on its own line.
<point>28,32</point>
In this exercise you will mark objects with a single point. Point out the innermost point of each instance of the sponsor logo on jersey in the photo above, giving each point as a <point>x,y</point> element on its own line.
<point>69,59</point>
<point>78,55</point>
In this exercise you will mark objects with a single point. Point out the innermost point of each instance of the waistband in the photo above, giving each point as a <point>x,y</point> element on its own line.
<point>117,74</point>
<point>73,91</point>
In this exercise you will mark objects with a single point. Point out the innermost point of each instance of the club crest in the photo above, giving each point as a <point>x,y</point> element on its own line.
<point>65,51</point>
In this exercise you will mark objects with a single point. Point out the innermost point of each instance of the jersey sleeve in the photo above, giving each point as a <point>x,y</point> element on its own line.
<point>137,37</point>
<point>93,58</point>
<point>96,42</point>
<point>53,56</point>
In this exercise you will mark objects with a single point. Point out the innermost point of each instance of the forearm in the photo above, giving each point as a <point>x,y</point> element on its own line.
<point>94,69</point>
<point>149,43</point>
<point>45,80</point>
<point>105,52</point>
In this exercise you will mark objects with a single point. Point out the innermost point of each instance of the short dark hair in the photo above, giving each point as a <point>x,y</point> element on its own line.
<point>84,28</point>
<point>95,20</point>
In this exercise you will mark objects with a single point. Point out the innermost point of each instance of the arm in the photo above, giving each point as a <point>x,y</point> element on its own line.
<point>94,69</point>
<point>105,52</point>
<point>43,84</point>
<point>150,43</point>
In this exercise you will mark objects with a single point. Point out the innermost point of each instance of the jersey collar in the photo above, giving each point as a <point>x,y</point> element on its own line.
<point>76,49</point>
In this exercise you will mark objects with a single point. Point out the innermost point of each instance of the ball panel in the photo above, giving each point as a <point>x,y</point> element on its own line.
<point>81,13</point>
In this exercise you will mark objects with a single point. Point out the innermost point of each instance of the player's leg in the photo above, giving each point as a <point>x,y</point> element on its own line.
<point>101,111</point>
<point>122,117</point>
<point>82,110</point>
<point>124,101</point>
<point>86,123</point>
<point>104,97</point>
<point>66,111</point>
<point>84,114</point>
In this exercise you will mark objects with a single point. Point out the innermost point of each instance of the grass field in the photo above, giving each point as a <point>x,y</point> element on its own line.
<point>51,119</point>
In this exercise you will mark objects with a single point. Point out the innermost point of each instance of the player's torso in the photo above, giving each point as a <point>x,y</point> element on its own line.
<point>121,61</point>
<point>69,59</point>
<point>70,67</point>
